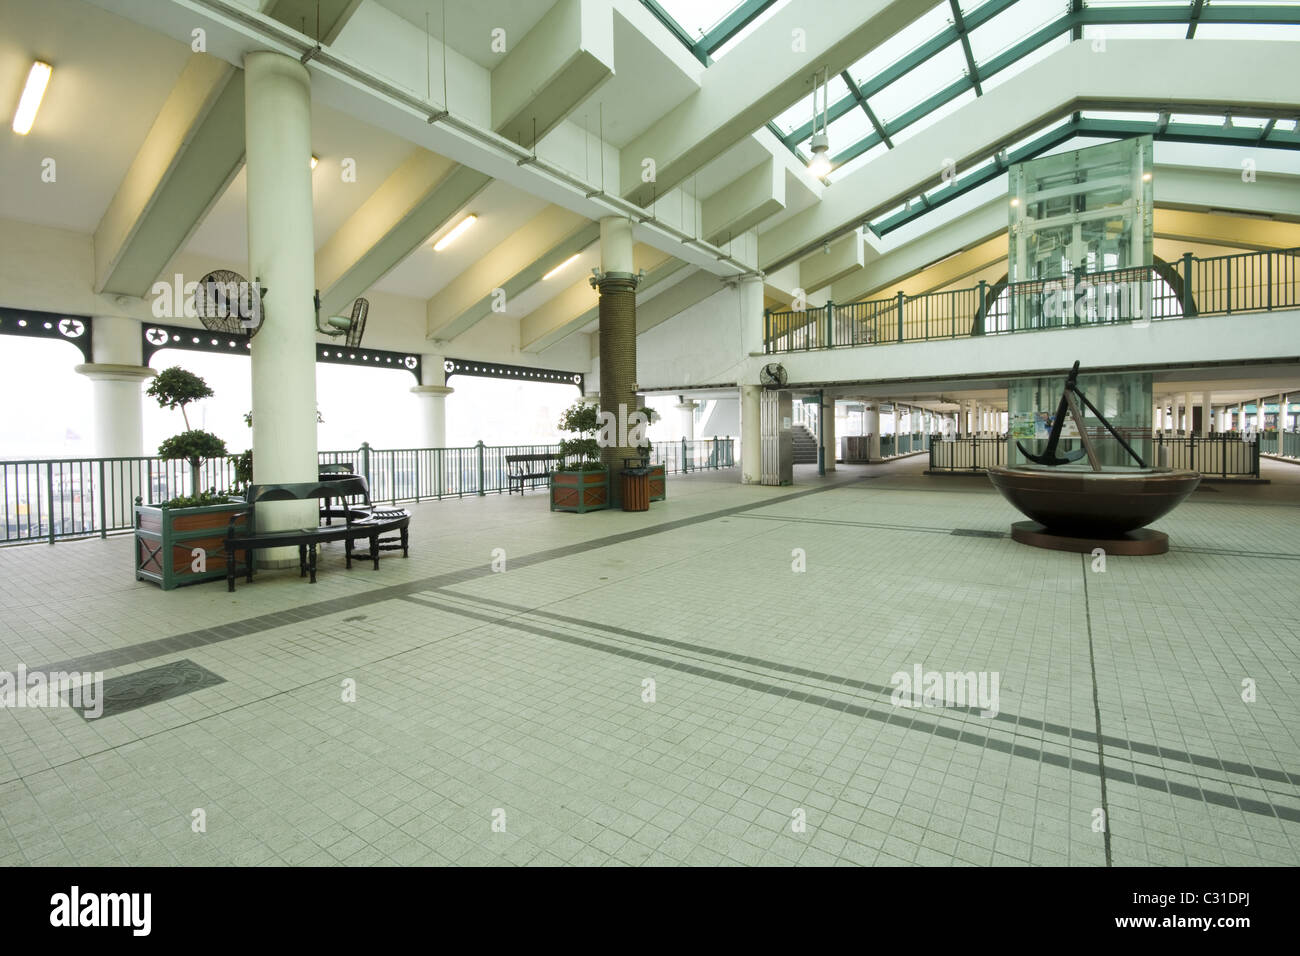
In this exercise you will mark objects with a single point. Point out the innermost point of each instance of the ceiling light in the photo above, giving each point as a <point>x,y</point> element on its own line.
<point>566,262</point>
<point>30,101</point>
<point>314,162</point>
<point>820,164</point>
<point>1015,201</point>
<point>1146,177</point>
<point>455,233</point>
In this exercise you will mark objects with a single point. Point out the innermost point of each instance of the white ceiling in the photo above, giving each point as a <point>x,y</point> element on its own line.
<point>335,137</point>
<point>500,208</point>
<point>110,80</point>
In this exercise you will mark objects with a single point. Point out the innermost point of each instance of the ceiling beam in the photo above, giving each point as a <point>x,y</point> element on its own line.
<point>531,251</point>
<point>744,202</point>
<point>188,158</point>
<point>771,70</point>
<point>419,198</point>
<point>561,61</point>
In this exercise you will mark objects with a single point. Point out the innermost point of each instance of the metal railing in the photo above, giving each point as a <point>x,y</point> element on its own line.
<point>49,499</point>
<point>891,446</point>
<point>1290,444</point>
<point>967,453</point>
<point>1225,455</point>
<point>1187,287</point>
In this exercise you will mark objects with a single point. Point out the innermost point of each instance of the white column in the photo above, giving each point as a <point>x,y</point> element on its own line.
<point>687,416</point>
<point>117,374</point>
<point>281,254</point>
<point>826,414</point>
<point>432,395</point>
<point>751,442</point>
<point>750,290</point>
<point>1281,416</point>
<point>1207,401</point>
<point>871,420</point>
<point>1187,414</point>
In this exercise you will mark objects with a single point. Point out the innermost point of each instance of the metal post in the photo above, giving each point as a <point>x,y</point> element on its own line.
<point>980,313</point>
<point>900,317</point>
<point>365,461</point>
<point>479,446</point>
<point>49,487</point>
<point>830,324</point>
<point>1268,281</point>
<point>767,330</point>
<point>103,515</point>
<point>684,459</point>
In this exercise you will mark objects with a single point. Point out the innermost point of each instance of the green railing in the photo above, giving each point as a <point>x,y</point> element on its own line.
<point>44,500</point>
<point>1185,288</point>
<point>1224,455</point>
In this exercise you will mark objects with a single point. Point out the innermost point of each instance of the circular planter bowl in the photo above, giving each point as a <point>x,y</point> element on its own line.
<point>1105,504</point>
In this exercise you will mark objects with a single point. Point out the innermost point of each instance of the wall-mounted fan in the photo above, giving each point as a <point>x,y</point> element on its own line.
<point>351,326</point>
<point>772,376</point>
<point>228,303</point>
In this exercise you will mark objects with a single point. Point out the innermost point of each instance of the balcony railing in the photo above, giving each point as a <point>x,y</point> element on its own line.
<point>1188,287</point>
<point>1223,455</point>
<point>51,499</point>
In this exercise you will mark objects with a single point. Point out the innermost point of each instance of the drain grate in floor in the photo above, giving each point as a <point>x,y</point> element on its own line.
<point>130,691</point>
<point>976,533</point>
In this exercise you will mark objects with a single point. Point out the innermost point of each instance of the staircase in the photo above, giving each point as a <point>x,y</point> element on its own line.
<point>805,446</point>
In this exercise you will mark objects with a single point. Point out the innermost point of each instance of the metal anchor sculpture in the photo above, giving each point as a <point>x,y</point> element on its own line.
<point>1068,404</point>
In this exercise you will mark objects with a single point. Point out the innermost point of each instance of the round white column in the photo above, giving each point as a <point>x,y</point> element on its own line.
<point>433,414</point>
<point>281,254</point>
<point>751,431</point>
<point>687,410</point>
<point>871,419</point>
<point>827,416</point>
<point>117,374</point>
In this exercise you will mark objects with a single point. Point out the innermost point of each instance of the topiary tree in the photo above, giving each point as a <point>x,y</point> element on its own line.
<point>583,452</point>
<point>175,388</point>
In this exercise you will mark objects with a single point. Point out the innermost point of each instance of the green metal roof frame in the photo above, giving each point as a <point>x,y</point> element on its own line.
<point>1072,22</point>
<point>1105,129</point>
<point>702,47</point>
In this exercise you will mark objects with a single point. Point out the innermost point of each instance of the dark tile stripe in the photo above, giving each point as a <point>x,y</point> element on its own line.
<point>908,719</point>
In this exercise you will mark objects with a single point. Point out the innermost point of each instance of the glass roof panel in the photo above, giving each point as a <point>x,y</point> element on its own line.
<point>932,117</point>
<point>1248,31</point>
<point>925,27</point>
<point>767,14</point>
<point>802,112</point>
<point>1023,63</point>
<point>1136,31</point>
<point>1012,25</point>
<point>697,17</point>
<point>918,85</point>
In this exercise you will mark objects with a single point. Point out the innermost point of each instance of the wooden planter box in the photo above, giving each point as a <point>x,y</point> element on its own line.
<point>165,539</point>
<point>658,483</point>
<point>579,491</point>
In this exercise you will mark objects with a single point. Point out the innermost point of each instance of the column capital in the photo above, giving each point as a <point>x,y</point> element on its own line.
<point>105,372</point>
<point>437,391</point>
<point>615,282</point>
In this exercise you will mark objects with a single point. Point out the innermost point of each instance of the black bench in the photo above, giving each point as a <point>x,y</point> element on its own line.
<point>359,522</point>
<point>521,468</point>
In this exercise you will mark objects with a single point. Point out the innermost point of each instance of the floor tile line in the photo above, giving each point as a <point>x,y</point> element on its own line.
<point>1096,712</point>
<point>1065,761</point>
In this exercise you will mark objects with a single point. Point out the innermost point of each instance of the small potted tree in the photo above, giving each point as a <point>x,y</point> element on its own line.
<point>181,540</point>
<point>580,482</point>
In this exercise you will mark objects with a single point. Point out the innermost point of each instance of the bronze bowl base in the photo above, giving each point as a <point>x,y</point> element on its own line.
<point>1143,541</point>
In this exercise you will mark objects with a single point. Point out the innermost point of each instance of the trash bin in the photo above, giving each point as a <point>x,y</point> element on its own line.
<point>636,489</point>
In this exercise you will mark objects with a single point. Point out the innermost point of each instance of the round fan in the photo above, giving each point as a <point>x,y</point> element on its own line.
<point>772,376</point>
<point>228,303</point>
<point>351,326</point>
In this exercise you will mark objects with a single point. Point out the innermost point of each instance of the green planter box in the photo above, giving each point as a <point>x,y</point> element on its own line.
<point>579,491</point>
<point>165,540</point>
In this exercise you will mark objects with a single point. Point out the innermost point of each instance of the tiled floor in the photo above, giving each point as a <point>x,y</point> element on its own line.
<point>668,688</point>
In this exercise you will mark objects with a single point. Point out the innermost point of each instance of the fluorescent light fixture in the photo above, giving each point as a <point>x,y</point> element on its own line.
<point>30,101</point>
<point>567,262</point>
<point>314,162</point>
<point>455,233</point>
